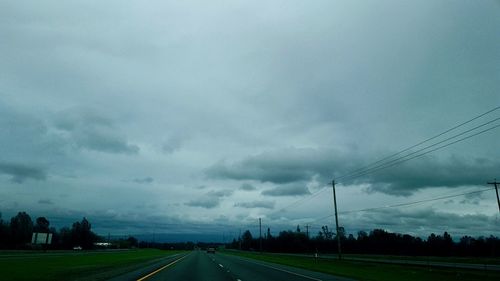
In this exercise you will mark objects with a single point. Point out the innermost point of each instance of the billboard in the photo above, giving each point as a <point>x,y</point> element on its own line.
<point>41,238</point>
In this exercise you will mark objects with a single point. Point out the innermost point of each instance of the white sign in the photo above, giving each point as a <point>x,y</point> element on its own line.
<point>41,238</point>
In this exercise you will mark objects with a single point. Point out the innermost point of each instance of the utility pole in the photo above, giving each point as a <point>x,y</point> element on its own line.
<point>260,234</point>
<point>336,219</point>
<point>495,183</point>
<point>307,231</point>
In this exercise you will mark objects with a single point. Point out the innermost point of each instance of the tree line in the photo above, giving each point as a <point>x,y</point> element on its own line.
<point>17,233</point>
<point>377,241</point>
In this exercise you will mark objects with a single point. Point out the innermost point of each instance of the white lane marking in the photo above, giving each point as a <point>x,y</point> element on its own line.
<point>284,270</point>
<point>221,265</point>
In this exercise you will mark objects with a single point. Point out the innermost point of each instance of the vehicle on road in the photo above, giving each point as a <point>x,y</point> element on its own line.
<point>211,250</point>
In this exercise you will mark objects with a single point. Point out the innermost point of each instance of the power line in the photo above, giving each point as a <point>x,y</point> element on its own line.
<point>402,204</point>
<point>420,143</point>
<point>371,168</point>
<point>401,160</point>
<point>414,202</point>
<point>392,163</point>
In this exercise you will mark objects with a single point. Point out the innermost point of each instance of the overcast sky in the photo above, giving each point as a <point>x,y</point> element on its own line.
<point>201,117</point>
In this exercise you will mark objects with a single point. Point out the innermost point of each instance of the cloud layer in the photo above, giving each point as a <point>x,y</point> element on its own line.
<point>219,114</point>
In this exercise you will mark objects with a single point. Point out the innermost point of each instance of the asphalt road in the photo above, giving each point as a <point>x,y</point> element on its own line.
<point>201,266</point>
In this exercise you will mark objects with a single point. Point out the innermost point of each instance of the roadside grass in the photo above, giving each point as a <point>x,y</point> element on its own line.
<point>472,260</point>
<point>74,265</point>
<point>372,271</point>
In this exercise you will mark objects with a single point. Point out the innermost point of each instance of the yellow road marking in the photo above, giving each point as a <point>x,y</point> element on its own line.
<point>161,268</point>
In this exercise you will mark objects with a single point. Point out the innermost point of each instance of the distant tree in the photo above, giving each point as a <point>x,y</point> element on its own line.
<point>327,234</point>
<point>341,232</point>
<point>298,228</point>
<point>132,241</point>
<point>81,234</point>
<point>4,233</point>
<point>65,238</point>
<point>42,225</point>
<point>21,227</point>
<point>246,240</point>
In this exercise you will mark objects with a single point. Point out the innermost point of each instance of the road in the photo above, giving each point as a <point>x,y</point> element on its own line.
<point>200,266</point>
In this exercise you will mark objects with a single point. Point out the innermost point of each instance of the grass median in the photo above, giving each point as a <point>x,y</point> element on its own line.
<point>92,265</point>
<point>372,271</point>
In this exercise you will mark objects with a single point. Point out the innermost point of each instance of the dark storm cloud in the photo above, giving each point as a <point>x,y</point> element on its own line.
<point>21,172</point>
<point>90,130</point>
<point>292,189</point>
<point>256,204</point>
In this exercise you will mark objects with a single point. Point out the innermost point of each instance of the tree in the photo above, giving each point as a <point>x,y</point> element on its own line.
<point>132,241</point>
<point>21,227</point>
<point>42,225</point>
<point>4,233</point>
<point>327,234</point>
<point>81,235</point>
<point>246,238</point>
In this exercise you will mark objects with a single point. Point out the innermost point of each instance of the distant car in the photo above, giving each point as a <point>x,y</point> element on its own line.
<point>211,250</point>
<point>77,248</point>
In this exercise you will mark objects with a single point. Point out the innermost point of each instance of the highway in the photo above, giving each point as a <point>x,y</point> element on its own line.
<point>201,266</point>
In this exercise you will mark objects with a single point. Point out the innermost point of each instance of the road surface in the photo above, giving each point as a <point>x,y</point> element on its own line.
<point>201,266</point>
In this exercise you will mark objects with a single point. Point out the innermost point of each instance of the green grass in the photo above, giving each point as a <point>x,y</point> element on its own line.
<point>373,271</point>
<point>73,265</point>
<point>474,260</point>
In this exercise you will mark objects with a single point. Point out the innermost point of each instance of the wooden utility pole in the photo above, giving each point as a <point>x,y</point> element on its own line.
<point>336,219</point>
<point>495,183</point>
<point>260,234</point>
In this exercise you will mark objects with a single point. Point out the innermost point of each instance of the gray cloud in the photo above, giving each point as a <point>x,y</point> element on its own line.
<point>45,202</point>
<point>22,172</point>
<point>220,193</point>
<point>247,187</point>
<point>207,202</point>
<point>210,200</point>
<point>90,130</point>
<point>291,98</point>
<point>278,166</point>
<point>424,222</point>
<point>256,204</point>
<point>299,165</point>
<point>143,180</point>
<point>172,144</point>
<point>430,172</point>
<point>293,189</point>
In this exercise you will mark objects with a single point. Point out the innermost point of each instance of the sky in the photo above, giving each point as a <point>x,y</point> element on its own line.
<point>197,118</point>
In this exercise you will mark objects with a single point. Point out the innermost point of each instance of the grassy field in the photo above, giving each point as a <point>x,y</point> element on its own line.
<point>374,271</point>
<point>474,260</point>
<point>73,265</point>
